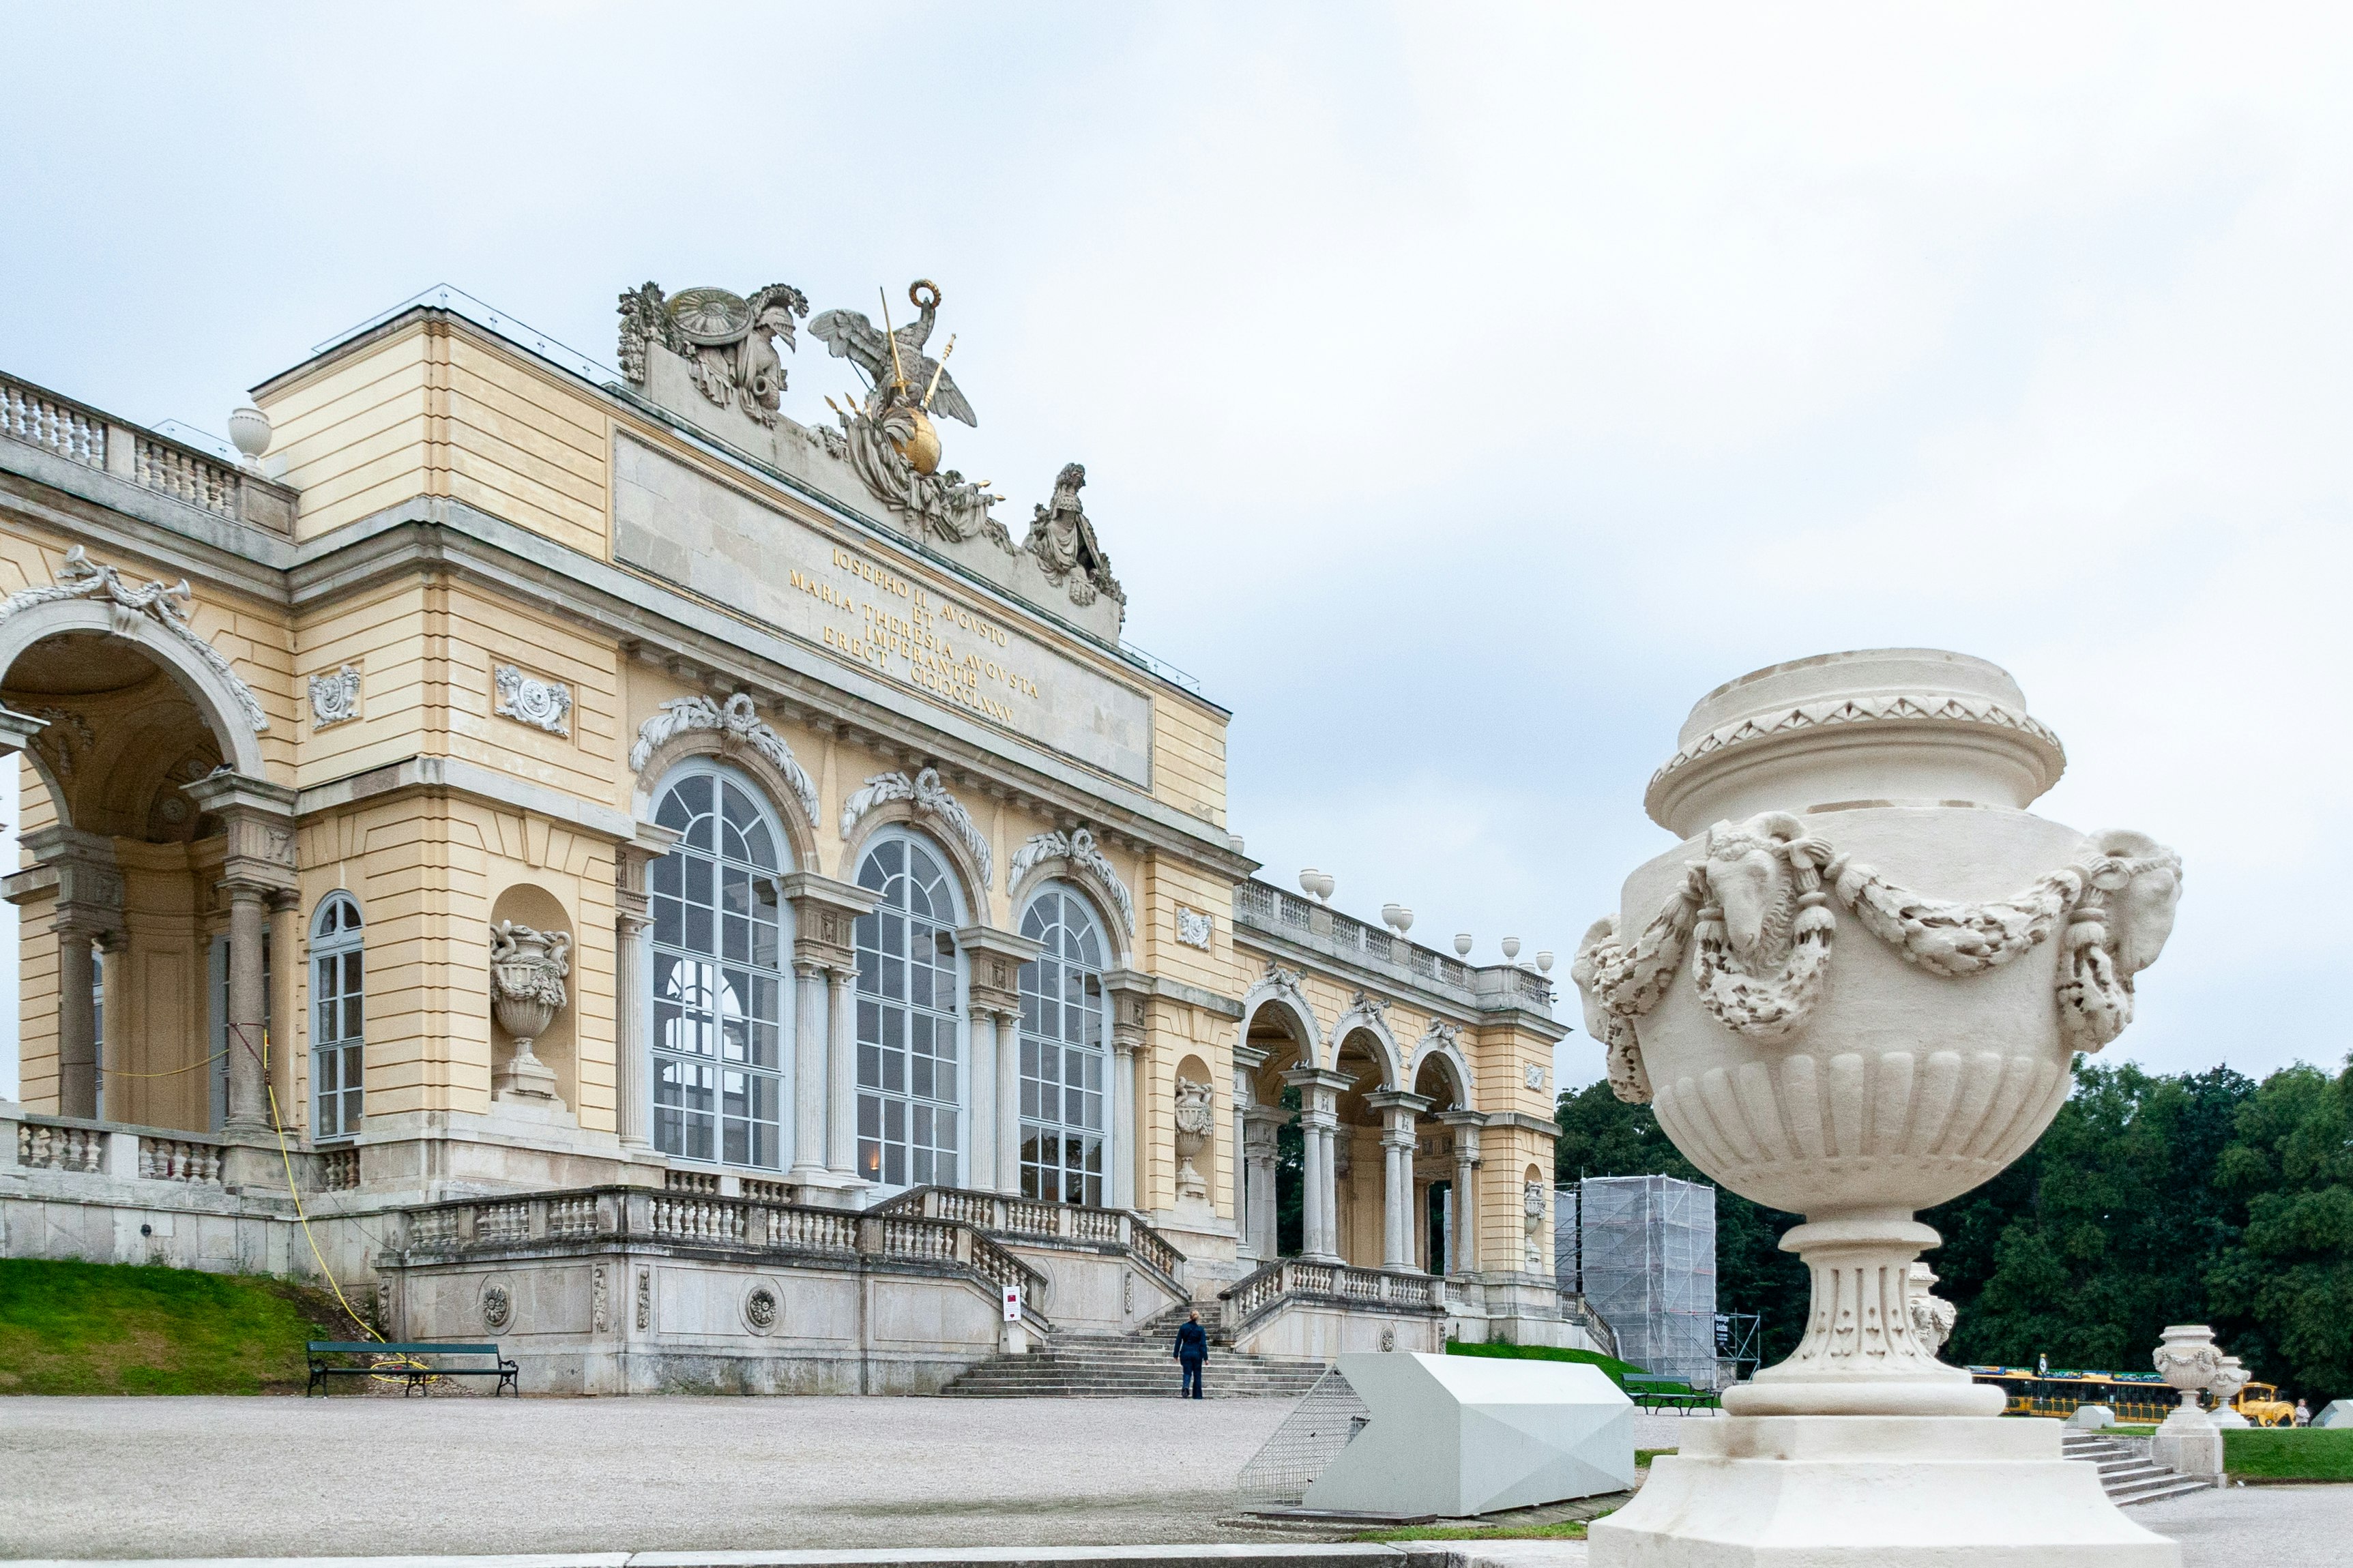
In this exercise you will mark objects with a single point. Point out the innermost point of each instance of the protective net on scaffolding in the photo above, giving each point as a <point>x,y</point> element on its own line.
<point>1646,1252</point>
<point>1327,1417</point>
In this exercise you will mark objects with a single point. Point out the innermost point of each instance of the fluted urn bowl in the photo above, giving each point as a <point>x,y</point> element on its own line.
<point>1854,988</point>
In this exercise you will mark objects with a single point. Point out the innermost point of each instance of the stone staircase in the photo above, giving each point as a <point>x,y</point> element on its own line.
<point>1134,1365</point>
<point>2127,1472</point>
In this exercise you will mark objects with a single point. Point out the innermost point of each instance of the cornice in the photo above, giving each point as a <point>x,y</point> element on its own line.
<point>704,645</point>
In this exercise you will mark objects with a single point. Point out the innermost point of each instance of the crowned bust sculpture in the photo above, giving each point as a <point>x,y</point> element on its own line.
<point>1854,990</point>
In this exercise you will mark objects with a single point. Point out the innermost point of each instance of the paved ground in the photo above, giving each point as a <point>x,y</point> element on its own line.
<point>282,1477</point>
<point>353,1476</point>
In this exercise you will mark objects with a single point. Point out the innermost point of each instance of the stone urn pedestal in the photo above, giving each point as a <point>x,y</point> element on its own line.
<point>1854,990</point>
<point>2188,1439</point>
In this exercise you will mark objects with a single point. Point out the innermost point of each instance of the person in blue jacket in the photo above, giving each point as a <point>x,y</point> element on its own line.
<point>1192,1351</point>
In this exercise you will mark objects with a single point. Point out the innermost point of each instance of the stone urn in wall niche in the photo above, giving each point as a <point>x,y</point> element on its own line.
<point>1196,1119</point>
<point>1855,990</point>
<point>527,972</point>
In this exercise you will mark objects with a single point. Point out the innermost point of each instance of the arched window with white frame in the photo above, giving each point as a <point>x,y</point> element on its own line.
<point>1064,1027</point>
<point>338,1019</point>
<point>722,941</point>
<point>909,1002</point>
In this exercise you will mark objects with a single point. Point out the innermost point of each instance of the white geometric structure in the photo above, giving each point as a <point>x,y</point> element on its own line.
<point>1455,1435</point>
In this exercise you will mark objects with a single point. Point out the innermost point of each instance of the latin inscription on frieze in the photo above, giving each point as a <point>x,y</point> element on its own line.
<point>710,537</point>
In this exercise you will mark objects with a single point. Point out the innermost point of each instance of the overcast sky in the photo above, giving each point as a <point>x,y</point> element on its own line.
<point>1462,391</point>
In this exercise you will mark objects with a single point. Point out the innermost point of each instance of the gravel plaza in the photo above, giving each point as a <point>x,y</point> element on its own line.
<point>460,1476</point>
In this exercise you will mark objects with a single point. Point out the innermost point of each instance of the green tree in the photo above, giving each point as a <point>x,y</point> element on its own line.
<point>2090,1245</point>
<point>2290,1274</point>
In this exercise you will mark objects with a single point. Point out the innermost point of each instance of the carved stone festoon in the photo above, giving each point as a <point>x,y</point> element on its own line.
<point>527,972</point>
<point>1858,1078</point>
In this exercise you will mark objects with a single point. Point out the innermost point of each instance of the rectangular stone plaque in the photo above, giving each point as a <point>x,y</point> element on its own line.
<point>851,603</point>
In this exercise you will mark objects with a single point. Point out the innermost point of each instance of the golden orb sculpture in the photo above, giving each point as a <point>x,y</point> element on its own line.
<point>921,447</point>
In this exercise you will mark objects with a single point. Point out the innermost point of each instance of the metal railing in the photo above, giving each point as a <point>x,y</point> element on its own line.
<point>598,1214</point>
<point>86,435</point>
<point>1287,1281</point>
<point>1028,1219</point>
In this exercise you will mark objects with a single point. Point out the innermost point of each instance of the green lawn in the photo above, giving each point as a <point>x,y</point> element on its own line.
<point>91,1328</point>
<point>1544,1352</point>
<point>2290,1453</point>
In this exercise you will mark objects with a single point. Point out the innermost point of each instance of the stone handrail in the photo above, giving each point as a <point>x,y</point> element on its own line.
<point>82,434</point>
<point>116,1150</point>
<point>695,1219</point>
<point>1030,1219</point>
<point>1580,1312</point>
<point>1286,1279</point>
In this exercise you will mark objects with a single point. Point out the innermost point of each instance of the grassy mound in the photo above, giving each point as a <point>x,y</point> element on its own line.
<point>2289,1453</point>
<point>94,1328</point>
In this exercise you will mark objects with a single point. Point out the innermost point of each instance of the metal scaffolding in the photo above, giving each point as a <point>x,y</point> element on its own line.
<point>1646,1259</point>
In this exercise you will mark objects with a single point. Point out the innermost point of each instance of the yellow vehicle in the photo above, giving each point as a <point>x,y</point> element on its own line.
<point>2260,1403</point>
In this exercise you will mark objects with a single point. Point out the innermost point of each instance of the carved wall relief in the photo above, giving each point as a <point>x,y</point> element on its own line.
<point>334,699</point>
<point>528,700</point>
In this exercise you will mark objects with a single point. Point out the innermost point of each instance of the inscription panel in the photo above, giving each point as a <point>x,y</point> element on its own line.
<point>854,605</point>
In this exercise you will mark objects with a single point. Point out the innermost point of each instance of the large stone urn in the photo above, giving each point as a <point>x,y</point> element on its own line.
<point>527,971</point>
<point>1854,990</point>
<point>2191,1362</point>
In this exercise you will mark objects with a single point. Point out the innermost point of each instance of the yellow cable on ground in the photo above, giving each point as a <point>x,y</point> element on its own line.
<point>402,1364</point>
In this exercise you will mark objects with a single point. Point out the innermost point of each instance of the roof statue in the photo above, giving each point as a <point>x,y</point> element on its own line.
<point>729,343</point>
<point>894,360</point>
<point>1064,543</point>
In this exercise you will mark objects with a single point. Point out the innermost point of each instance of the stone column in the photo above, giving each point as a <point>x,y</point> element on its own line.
<point>248,1104</point>
<point>809,1077</point>
<point>1465,1249</point>
<point>984,1043</point>
<point>258,867</point>
<point>841,1074</point>
<point>825,1030</point>
<point>1318,1117</point>
<point>89,908</point>
<point>1398,1111</point>
<point>1123,1140</point>
<point>993,986</point>
<point>1260,1131</point>
<point>633,984</point>
<point>77,1022</point>
<point>1128,995</point>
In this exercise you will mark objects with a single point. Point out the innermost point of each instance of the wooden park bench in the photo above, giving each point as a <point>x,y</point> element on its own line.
<point>1644,1388</point>
<point>414,1376</point>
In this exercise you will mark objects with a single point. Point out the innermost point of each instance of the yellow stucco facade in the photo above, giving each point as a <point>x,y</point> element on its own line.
<point>481,641</point>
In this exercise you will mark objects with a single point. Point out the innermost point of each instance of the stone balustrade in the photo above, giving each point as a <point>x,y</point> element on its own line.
<point>755,1226</point>
<point>1262,906</point>
<point>1027,1219</point>
<point>87,438</point>
<point>1289,1279</point>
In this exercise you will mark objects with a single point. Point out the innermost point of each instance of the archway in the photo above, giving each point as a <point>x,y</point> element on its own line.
<point>1444,1154</point>
<point>1273,1145</point>
<point>131,917</point>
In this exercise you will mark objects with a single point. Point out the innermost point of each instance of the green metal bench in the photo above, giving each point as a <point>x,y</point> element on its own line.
<point>413,1376</point>
<point>1645,1389</point>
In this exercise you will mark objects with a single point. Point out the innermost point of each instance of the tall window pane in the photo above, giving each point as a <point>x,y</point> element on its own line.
<point>719,953</point>
<point>1063,1069</point>
<point>909,1045</point>
<point>338,1023</point>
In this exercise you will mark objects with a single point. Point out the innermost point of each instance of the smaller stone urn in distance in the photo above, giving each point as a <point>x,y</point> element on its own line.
<point>1853,990</point>
<point>527,971</point>
<point>1196,1119</point>
<point>2191,1362</point>
<point>2228,1380</point>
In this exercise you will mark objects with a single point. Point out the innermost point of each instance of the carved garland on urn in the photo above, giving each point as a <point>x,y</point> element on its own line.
<point>1756,915</point>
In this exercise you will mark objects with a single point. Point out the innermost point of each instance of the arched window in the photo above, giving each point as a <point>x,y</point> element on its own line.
<point>338,1012</point>
<point>719,952</point>
<point>909,971</point>
<point>1062,1067</point>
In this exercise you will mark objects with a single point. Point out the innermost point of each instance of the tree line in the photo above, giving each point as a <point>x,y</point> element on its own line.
<point>2151,1199</point>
